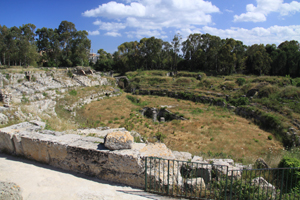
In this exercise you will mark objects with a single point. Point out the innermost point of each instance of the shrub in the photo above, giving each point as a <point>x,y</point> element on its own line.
<point>197,111</point>
<point>242,101</point>
<point>160,136</point>
<point>73,92</point>
<point>290,91</point>
<point>230,85</point>
<point>268,90</point>
<point>70,74</point>
<point>293,175</point>
<point>241,81</point>
<point>270,137</point>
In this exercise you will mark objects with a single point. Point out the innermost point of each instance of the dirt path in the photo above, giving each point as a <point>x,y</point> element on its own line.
<point>40,181</point>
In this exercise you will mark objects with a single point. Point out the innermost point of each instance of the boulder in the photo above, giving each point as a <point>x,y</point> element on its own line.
<point>266,187</point>
<point>119,140</point>
<point>252,92</point>
<point>195,185</point>
<point>3,119</point>
<point>261,164</point>
<point>183,156</point>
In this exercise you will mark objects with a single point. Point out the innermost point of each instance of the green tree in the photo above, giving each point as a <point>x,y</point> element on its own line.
<point>292,52</point>
<point>258,60</point>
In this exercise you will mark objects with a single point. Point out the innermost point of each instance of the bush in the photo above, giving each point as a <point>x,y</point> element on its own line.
<point>242,101</point>
<point>270,137</point>
<point>290,92</point>
<point>73,92</point>
<point>268,90</point>
<point>197,111</point>
<point>160,136</point>
<point>241,81</point>
<point>291,176</point>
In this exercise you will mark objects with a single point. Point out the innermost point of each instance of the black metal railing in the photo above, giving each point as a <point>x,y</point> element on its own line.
<point>206,181</point>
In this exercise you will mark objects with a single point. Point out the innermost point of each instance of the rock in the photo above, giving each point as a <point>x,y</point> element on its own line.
<point>220,167</point>
<point>38,123</point>
<point>137,136</point>
<point>3,119</point>
<point>195,185</point>
<point>10,191</point>
<point>261,164</point>
<point>157,150</point>
<point>252,92</point>
<point>118,140</point>
<point>183,156</point>
<point>199,77</point>
<point>266,187</point>
<point>229,107</point>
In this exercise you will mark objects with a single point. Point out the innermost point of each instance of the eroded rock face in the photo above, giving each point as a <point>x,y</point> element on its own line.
<point>118,140</point>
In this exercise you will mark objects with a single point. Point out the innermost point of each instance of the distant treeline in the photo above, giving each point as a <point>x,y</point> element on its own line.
<point>67,47</point>
<point>203,52</point>
<point>64,46</point>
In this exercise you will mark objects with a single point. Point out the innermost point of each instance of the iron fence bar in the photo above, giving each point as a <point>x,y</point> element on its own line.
<point>168,177</point>
<point>259,185</point>
<point>242,183</point>
<point>210,186</point>
<point>173,174</point>
<point>146,174</point>
<point>178,179</point>
<point>185,184</point>
<point>268,180</point>
<point>291,179</point>
<point>296,181</point>
<point>281,187</point>
<point>158,173</point>
<point>286,183</point>
<point>150,174</point>
<point>226,183</point>
<point>231,185</point>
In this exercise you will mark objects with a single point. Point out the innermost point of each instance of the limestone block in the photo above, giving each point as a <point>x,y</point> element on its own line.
<point>157,150</point>
<point>265,186</point>
<point>6,143</point>
<point>184,156</point>
<point>3,119</point>
<point>195,185</point>
<point>118,140</point>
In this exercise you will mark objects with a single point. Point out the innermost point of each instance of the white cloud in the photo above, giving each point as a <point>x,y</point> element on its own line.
<point>113,34</point>
<point>94,32</point>
<point>260,12</point>
<point>151,16</point>
<point>116,10</point>
<point>109,26</point>
<point>272,35</point>
<point>230,11</point>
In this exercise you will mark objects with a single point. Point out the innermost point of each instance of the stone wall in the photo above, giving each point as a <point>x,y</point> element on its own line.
<point>81,154</point>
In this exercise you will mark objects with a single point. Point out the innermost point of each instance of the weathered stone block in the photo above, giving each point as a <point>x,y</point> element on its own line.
<point>118,140</point>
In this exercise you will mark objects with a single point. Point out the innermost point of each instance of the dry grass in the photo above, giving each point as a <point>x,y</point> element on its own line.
<point>215,129</point>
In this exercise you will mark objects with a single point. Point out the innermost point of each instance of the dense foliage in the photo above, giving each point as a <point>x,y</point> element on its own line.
<point>204,52</point>
<point>64,46</point>
<point>67,47</point>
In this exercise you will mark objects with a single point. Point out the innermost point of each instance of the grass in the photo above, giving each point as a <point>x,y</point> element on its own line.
<point>215,129</point>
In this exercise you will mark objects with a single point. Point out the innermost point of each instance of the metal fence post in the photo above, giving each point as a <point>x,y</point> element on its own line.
<point>146,174</point>
<point>281,187</point>
<point>226,183</point>
<point>168,177</point>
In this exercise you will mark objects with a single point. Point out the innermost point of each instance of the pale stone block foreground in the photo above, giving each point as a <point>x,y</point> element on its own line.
<point>39,181</point>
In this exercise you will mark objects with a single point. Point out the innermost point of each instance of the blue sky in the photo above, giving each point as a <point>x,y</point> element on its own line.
<point>110,23</point>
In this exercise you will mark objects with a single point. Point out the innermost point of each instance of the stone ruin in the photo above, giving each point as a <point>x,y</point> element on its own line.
<point>161,114</point>
<point>115,157</point>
